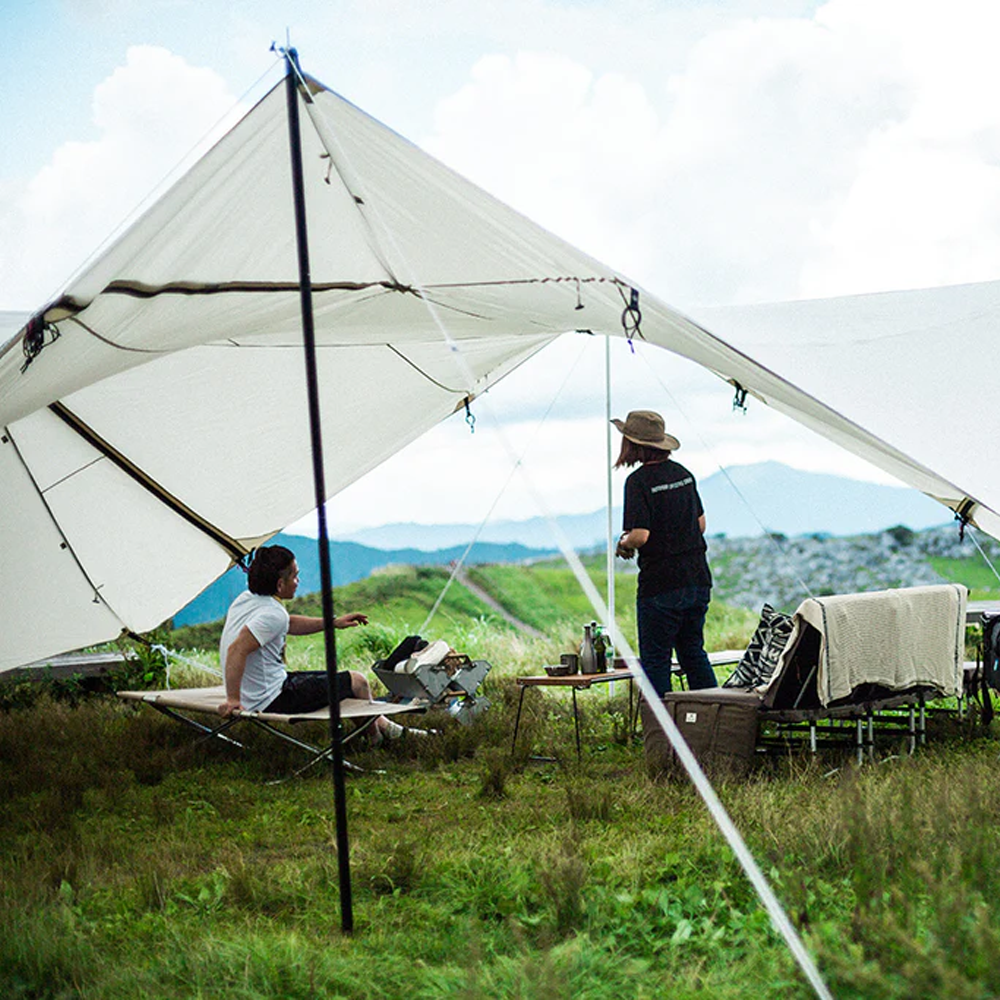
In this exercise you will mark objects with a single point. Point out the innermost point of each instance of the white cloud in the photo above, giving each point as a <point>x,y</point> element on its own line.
<point>572,151</point>
<point>704,198</point>
<point>785,157</point>
<point>923,205</point>
<point>150,113</point>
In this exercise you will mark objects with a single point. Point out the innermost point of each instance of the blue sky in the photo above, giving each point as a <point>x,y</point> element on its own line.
<point>717,152</point>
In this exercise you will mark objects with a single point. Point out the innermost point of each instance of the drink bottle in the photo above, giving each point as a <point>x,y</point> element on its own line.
<point>600,652</point>
<point>587,651</point>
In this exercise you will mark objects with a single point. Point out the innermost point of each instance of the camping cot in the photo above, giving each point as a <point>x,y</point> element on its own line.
<point>181,704</point>
<point>861,659</point>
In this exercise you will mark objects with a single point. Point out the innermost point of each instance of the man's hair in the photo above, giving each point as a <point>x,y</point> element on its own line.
<point>267,568</point>
<point>636,454</point>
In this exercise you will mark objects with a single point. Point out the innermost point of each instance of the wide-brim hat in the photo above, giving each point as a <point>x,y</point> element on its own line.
<point>645,427</point>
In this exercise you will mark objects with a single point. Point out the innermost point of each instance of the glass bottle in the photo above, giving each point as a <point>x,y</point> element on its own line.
<point>600,651</point>
<point>587,652</point>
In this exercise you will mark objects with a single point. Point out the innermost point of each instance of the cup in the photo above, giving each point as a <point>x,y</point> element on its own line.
<point>571,660</point>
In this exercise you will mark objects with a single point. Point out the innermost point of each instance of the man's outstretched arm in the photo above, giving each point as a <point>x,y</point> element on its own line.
<point>307,625</point>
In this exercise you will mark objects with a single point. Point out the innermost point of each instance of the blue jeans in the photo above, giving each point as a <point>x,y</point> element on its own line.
<point>674,620</point>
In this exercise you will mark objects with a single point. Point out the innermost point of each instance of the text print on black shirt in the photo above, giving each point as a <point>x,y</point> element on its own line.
<point>673,486</point>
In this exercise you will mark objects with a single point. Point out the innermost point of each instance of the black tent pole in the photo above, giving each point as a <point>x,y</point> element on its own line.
<point>293,75</point>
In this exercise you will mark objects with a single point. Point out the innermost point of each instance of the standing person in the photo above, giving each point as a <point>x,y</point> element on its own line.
<point>665,522</point>
<point>252,648</point>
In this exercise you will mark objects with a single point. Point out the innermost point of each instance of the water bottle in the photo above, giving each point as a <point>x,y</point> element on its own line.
<point>588,654</point>
<point>600,652</point>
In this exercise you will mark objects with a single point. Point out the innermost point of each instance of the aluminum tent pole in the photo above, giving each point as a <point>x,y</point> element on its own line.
<point>293,75</point>
<point>612,617</point>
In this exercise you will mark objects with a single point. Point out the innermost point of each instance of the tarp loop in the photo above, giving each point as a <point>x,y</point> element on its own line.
<point>579,301</point>
<point>632,318</point>
<point>291,57</point>
<point>470,417</point>
<point>244,560</point>
<point>740,397</point>
<point>963,514</point>
<point>34,338</point>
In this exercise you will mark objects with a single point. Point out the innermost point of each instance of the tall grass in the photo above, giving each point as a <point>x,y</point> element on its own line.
<point>134,863</point>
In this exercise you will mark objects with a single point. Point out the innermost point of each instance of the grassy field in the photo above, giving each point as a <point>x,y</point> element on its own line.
<point>973,572</point>
<point>549,598</point>
<point>136,864</point>
<point>545,596</point>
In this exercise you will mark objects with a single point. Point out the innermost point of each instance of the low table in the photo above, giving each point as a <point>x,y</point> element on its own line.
<point>583,682</point>
<point>574,682</point>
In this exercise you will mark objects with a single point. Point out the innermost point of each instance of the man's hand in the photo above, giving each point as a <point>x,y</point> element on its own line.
<point>631,540</point>
<point>623,551</point>
<point>229,706</point>
<point>352,620</point>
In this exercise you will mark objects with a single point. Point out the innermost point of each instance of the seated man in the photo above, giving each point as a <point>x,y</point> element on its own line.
<point>252,648</point>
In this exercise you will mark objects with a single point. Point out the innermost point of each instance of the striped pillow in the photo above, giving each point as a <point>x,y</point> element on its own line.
<point>765,649</point>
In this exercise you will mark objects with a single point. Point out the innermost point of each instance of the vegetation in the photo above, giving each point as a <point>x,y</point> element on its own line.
<point>135,862</point>
<point>972,571</point>
<point>549,598</point>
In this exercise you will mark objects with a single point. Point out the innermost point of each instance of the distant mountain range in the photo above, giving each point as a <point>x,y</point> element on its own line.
<point>349,562</point>
<point>748,501</point>
<point>768,496</point>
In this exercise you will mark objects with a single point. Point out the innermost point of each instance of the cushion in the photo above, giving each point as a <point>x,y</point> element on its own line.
<point>764,651</point>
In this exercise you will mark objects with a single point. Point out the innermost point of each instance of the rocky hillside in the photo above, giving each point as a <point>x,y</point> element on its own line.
<point>782,571</point>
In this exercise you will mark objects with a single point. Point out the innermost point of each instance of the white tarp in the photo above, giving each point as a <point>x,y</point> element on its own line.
<point>165,429</point>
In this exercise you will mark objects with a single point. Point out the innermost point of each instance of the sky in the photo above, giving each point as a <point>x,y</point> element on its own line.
<point>722,152</point>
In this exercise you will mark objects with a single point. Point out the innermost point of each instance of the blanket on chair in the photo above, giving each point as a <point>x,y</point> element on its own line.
<point>899,639</point>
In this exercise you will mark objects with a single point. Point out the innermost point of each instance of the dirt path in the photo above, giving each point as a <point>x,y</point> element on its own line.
<point>463,578</point>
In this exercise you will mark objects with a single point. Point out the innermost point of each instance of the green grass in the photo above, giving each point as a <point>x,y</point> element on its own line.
<point>548,597</point>
<point>971,571</point>
<point>134,864</point>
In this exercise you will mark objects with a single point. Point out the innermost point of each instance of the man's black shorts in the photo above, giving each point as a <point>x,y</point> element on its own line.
<point>306,690</point>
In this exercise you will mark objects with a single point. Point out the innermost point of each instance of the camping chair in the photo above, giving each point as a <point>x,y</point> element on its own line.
<point>436,676</point>
<point>183,703</point>
<point>851,661</point>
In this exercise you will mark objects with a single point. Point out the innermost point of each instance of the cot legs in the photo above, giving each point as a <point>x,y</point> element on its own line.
<point>208,732</point>
<point>864,737</point>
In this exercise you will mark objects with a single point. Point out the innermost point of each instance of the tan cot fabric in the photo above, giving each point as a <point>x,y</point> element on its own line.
<point>208,700</point>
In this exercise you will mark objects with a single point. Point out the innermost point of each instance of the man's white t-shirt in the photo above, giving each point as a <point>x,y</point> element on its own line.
<point>267,620</point>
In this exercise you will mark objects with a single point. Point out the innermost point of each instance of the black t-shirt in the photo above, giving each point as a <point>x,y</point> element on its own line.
<point>663,498</point>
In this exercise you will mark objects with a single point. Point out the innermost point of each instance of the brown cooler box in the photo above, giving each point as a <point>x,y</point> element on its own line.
<point>719,725</point>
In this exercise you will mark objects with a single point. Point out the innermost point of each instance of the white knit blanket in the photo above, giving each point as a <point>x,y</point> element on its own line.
<point>897,638</point>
